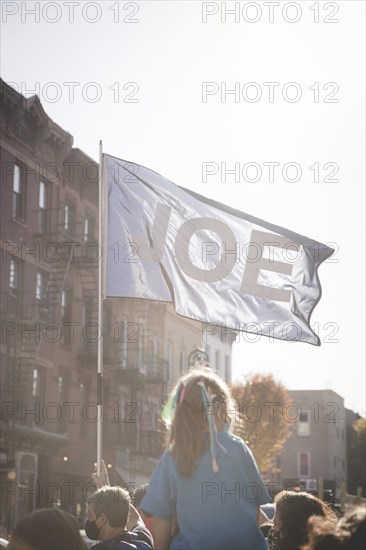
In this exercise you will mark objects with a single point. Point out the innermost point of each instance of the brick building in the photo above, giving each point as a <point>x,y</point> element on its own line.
<point>49,227</point>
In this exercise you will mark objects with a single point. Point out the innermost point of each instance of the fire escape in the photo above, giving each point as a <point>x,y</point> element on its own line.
<point>134,363</point>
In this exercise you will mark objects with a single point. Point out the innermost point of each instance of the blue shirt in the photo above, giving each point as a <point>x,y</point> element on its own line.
<point>215,511</point>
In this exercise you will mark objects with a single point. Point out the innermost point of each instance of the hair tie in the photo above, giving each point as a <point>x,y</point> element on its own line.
<point>207,398</point>
<point>168,411</point>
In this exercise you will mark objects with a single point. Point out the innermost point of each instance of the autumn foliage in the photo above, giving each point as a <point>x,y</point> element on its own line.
<point>261,420</point>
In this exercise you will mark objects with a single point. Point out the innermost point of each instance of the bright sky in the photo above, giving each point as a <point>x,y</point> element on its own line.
<point>139,71</point>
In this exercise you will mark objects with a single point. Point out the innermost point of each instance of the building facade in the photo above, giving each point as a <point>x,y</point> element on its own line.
<point>50,330</point>
<point>317,447</point>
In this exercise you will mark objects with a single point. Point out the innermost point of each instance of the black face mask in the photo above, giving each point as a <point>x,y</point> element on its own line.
<point>274,539</point>
<point>92,530</point>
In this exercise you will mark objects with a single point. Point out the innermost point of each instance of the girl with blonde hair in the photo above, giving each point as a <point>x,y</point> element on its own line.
<point>207,478</point>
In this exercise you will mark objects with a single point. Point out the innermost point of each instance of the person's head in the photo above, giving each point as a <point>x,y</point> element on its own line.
<point>138,494</point>
<point>108,510</point>
<point>348,534</point>
<point>47,529</point>
<point>136,497</point>
<point>293,509</point>
<point>190,416</point>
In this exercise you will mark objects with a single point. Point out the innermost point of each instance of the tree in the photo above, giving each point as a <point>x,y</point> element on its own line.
<point>262,421</point>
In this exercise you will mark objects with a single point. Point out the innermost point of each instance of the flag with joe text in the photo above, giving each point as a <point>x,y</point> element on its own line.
<point>216,264</point>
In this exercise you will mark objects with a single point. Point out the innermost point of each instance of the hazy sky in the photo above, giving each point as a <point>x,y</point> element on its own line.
<point>149,79</point>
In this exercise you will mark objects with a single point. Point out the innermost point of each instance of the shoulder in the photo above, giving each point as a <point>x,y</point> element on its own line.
<point>235,444</point>
<point>165,465</point>
<point>234,440</point>
<point>139,537</point>
<point>143,534</point>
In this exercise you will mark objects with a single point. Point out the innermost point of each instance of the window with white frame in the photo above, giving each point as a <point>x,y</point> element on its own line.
<point>66,314</point>
<point>14,275</point>
<point>36,383</point>
<point>14,286</point>
<point>227,369</point>
<point>303,424</point>
<point>65,305</point>
<point>42,205</point>
<point>69,218</point>
<point>88,228</point>
<point>208,351</point>
<point>18,192</point>
<point>41,303</point>
<point>218,362</point>
<point>39,286</point>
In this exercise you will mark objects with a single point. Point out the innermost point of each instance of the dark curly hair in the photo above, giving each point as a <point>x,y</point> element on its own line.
<point>294,508</point>
<point>348,534</point>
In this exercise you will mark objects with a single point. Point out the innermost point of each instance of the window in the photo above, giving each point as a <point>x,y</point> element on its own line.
<point>18,192</point>
<point>183,361</point>
<point>140,356</point>
<point>65,305</point>
<point>304,464</point>
<point>42,205</point>
<point>66,314</point>
<point>27,468</point>
<point>41,306</point>
<point>303,424</point>
<point>60,388</point>
<point>36,383</point>
<point>39,286</point>
<point>123,409</point>
<point>62,397</point>
<point>69,218</point>
<point>88,228</point>
<point>14,275</point>
<point>217,362</point>
<point>14,286</point>
<point>227,369</point>
<point>208,351</point>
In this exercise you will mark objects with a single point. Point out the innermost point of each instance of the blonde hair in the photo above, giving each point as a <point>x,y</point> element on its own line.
<point>185,441</point>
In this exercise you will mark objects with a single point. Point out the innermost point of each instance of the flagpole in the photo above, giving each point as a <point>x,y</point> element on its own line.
<point>100,316</point>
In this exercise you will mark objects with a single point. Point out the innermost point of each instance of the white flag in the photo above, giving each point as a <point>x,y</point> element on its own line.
<point>216,264</point>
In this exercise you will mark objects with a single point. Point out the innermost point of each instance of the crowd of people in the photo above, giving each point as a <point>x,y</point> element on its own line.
<point>206,493</point>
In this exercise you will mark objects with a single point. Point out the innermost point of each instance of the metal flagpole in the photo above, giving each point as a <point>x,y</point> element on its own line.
<point>100,317</point>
